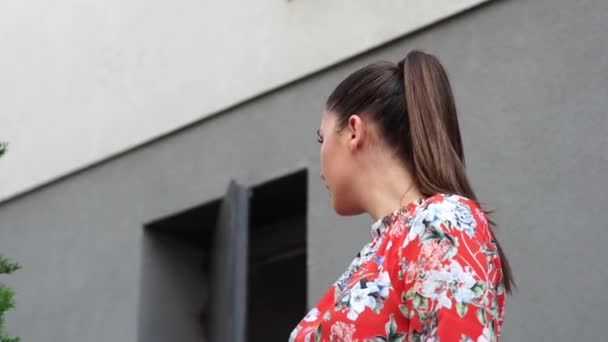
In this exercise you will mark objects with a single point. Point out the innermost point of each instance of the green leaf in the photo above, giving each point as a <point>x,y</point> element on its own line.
<point>481,316</point>
<point>493,311</point>
<point>404,310</point>
<point>417,300</point>
<point>3,148</point>
<point>477,303</point>
<point>478,288</point>
<point>501,288</point>
<point>448,223</point>
<point>397,337</point>
<point>8,339</point>
<point>7,266</point>
<point>6,299</point>
<point>318,333</point>
<point>465,338</point>
<point>379,306</point>
<point>450,253</point>
<point>410,293</point>
<point>391,326</point>
<point>420,302</point>
<point>461,308</point>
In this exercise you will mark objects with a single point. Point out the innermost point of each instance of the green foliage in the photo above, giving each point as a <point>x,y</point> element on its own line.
<point>7,296</point>
<point>6,266</point>
<point>7,301</point>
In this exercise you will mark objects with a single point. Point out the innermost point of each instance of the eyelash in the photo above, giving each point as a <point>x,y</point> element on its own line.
<point>319,138</point>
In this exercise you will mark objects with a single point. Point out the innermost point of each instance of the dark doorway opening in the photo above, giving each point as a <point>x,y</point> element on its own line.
<point>177,257</point>
<point>277,277</point>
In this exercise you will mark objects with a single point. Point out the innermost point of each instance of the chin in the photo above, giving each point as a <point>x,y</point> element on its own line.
<point>346,209</point>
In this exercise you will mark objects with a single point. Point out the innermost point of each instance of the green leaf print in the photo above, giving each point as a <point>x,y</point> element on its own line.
<point>375,339</point>
<point>423,316</point>
<point>327,315</point>
<point>405,311</point>
<point>391,326</point>
<point>501,288</point>
<point>318,333</point>
<point>420,302</point>
<point>452,240</point>
<point>397,337</point>
<point>432,234</point>
<point>465,338</point>
<point>391,333</point>
<point>478,288</point>
<point>493,311</point>
<point>481,316</point>
<point>410,293</point>
<point>461,308</point>
<point>415,336</point>
<point>450,253</point>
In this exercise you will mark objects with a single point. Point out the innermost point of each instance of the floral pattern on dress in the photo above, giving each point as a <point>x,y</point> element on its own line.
<point>431,272</point>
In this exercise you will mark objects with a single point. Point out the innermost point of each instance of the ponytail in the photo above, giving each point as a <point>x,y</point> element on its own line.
<point>429,140</point>
<point>438,160</point>
<point>437,154</point>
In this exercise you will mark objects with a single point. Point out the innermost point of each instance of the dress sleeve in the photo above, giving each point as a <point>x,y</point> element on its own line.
<point>449,269</point>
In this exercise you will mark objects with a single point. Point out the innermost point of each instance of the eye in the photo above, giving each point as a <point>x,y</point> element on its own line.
<point>319,137</point>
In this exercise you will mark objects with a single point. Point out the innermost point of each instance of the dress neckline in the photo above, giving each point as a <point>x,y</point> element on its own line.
<point>381,225</point>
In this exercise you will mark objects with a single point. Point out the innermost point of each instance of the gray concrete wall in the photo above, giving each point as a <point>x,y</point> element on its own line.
<point>112,71</point>
<point>530,83</point>
<point>172,286</point>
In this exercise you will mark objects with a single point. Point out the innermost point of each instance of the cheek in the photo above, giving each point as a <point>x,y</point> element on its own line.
<point>324,160</point>
<point>330,163</point>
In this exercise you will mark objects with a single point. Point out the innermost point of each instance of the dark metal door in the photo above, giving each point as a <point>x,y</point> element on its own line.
<point>229,268</point>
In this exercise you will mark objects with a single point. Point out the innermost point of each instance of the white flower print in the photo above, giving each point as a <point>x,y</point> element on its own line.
<point>482,216</point>
<point>452,278</point>
<point>341,331</point>
<point>383,283</point>
<point>464,218</point>
<point>486,336</point>
<point>312,316</point>
<point>425,264</point>
<point>294,333</point>
<point>352,315</point>
<point>368,293</point>
<point>360,298</point>
<point>434,286</point>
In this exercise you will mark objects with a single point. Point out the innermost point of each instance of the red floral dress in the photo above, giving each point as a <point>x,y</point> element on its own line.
<point>431,273</point>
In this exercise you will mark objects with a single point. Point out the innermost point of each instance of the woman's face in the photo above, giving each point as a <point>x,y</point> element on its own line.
<point>337,165</point>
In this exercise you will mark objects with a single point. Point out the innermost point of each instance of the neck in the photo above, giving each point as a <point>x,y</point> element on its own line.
<point>387,189</point>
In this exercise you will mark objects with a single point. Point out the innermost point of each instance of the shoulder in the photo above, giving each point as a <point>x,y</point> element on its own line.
<point>449,212</point>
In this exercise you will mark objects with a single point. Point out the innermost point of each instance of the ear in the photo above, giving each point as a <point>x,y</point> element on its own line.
<point>356,132</point>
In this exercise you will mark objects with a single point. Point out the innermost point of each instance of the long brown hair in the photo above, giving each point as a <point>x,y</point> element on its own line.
<point>412,104</point>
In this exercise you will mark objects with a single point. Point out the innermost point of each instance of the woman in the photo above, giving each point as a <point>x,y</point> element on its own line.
<point>433,270</point>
